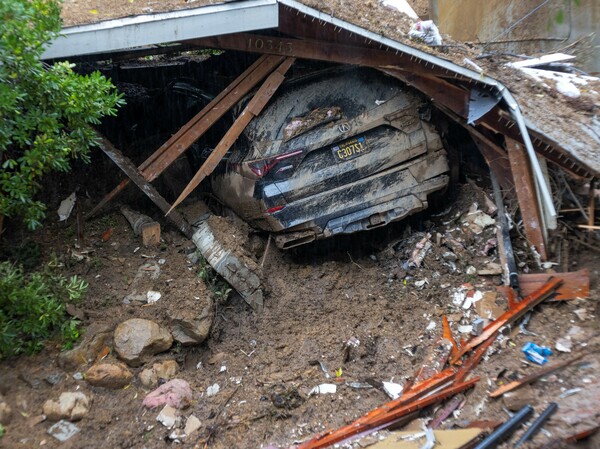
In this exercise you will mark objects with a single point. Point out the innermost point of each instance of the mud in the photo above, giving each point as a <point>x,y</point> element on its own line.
<point>318,298</point>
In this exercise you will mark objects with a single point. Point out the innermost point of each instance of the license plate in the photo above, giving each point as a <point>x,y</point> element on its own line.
<point>350,149</point>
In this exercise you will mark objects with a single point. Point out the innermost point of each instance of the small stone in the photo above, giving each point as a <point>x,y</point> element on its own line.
<point>471,270</point>
<point>70,405</point>
<point>176,393</point>
<point>190,328</point>
<point>162,370</point>
<point>516,400</point>
<point>192,425</point>
<point>449,255</point>
<point>109,375</point>
<point>167,416</point>
<point>137,339</point>
<point>55,379</point>
<point>96,337</point>
<point>491,269</point>
<point>5,413</point>
<point>63,430</point>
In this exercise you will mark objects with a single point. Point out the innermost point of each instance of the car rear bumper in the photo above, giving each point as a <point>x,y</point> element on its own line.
<point>367,203</point>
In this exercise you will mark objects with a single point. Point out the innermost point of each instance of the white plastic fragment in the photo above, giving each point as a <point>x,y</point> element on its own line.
<point>431,325</point>
<point>324,389</point>
<point>426,31</point>
<point>66,207</point>
<point>212,390</point>
<point>465,329</point>
<point>430,437</point>
<point>167,416</point>
<point>152,296</point>
<point>564,345</point>
<point>392,389</point>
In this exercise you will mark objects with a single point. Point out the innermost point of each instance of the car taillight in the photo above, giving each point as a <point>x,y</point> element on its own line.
<point>272,210</point>
<point>262,167</point>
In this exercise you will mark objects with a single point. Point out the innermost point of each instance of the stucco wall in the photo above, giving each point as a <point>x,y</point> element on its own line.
<point>554,25</point>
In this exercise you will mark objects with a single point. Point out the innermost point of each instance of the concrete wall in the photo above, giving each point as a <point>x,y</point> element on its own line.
<point>552,27</point>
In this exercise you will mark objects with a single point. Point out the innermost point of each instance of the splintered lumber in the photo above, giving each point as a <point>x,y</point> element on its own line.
<point>533,376</point>
<point>130,169</point>
<point>510,316</point>
<point>576,284</point>
<point>474,360</point>
<point>527,195</point>
<point>179,142</point>
<point>254,108</point>
<point>379,421</point>
<point>447,334</point>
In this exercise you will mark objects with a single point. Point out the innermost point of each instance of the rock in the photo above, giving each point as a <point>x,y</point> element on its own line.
<point>516,400</point>
<point>137,339</point>
<point>189,327</point>
<point>96,337</point>
<point>162,370</point>
<point>491,269</point>
<point>5,412</point>
<point>212,390</point>
<point>176,393</point>
<point>63,430</point>
<point>109,375</point>
<point>70,405</point>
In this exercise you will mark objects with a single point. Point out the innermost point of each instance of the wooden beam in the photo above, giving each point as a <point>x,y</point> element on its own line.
<point>321,51</point>
<point>254,108</point>
<point>495,156</point>
<point>527,196</point>
<point>130,169</point>
<point>576,284</point>
<point>168,152</point>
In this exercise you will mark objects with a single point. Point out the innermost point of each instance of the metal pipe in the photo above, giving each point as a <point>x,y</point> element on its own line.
<point>537,424</point>
<point>506,429</point>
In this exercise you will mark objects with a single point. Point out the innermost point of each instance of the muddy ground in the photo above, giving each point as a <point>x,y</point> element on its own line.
<point>317,299</point>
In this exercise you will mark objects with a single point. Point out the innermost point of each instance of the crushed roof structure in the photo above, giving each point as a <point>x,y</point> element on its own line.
<point>488,97</point>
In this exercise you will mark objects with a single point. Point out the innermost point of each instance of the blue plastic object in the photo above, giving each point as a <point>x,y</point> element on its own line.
<point>536,354</point>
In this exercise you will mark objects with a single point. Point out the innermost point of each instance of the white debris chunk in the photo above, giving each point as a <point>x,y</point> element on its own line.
<point>392,389</point>
<point>324,389</point>
<point>66,207</point>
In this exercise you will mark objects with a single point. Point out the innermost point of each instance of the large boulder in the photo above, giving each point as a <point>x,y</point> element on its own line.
<point>137,339</point>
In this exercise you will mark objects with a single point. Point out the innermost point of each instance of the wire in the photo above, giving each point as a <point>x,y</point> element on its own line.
<point>510,28</point>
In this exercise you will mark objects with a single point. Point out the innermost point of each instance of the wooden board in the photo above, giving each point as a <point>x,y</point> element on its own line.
<point>576,284</point>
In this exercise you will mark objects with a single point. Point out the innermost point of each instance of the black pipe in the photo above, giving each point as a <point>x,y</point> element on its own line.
<point>513,277</point>
<point>505,430</point>
<point>538,423</point>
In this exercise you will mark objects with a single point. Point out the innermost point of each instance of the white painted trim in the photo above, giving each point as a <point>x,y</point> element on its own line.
<point>159,28</point>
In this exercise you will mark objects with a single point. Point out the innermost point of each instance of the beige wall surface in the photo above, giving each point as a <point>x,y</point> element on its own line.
<point>553,26</point>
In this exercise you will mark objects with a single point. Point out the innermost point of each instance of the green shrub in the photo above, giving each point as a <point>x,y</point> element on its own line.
<point>46,112</point>
<point>33,309</point>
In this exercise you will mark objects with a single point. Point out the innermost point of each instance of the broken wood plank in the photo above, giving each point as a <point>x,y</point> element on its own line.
<point>379,421</point>
<point>576,284</point>
<point>321,51</point>
<point>495,156</point>
<point>527,197</point>
<point>131,170</point>
<point>533,376</point>
<point>179,142</point>
<point>258,102</point>
<point>150,234</point>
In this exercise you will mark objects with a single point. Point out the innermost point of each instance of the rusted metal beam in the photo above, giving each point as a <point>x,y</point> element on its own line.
<point>319,50</point>
<point>254,108</point>
<point>527,196</point>
<point>130,170</point>
<point>509,317</point>
<point>168,152</point>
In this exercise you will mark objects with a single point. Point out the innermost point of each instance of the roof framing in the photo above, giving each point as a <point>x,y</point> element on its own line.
<point>160,28</point>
